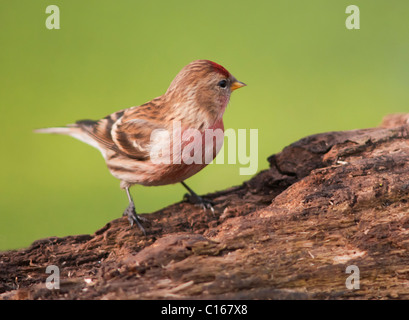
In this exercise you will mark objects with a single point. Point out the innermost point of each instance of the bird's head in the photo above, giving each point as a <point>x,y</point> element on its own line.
<point>204,85</point>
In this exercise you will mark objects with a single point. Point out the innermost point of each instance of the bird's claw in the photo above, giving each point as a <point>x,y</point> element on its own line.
<point>199,202</point>
<point>134,218</point>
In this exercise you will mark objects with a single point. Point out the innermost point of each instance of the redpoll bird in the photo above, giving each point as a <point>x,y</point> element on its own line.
<point>196,98</point>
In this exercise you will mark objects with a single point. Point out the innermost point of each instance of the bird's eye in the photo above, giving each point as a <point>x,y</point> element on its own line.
<point>222,83</point>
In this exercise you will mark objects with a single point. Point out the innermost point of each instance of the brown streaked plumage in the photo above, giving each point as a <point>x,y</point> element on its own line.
<point>196,99</point>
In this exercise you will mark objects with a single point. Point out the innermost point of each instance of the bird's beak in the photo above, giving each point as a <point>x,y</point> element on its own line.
<point>236,84</point>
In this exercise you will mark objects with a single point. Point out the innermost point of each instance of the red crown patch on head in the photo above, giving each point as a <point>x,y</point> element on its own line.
<point>219,68</point>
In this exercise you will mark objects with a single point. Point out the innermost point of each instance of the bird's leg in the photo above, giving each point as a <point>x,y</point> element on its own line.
<point>195,199</point>
<point>131,213</point>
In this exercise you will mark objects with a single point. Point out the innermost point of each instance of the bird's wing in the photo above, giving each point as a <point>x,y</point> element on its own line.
<point>133,137</point>
<point>132,132</point>
<point>127,131</point>
<point>100,130</point>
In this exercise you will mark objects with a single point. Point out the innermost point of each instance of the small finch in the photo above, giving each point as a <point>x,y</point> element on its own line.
<point>196,99</point>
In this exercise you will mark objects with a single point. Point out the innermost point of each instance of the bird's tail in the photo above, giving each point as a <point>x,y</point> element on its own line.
<point>57,130</point>
<point>77,132</point>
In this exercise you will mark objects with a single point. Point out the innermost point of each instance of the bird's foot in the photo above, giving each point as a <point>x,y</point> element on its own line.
<point>199,202</point>
<point>134,218</point>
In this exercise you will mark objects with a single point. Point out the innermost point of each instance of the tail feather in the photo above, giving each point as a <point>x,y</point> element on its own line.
<point>76,132</point>
<point>56,130</point>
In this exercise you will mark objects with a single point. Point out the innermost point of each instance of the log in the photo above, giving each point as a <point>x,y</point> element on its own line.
<point>327,202</point>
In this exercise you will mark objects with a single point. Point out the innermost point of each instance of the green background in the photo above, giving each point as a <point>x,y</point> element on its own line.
<point>306,73</point>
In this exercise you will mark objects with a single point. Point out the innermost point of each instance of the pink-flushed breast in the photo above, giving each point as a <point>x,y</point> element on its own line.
<point>188,162</point>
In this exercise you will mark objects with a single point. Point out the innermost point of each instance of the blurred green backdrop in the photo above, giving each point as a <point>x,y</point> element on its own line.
<point>306,73</point>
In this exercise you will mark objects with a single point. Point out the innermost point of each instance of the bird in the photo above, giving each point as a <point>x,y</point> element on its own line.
<point>196,99</point>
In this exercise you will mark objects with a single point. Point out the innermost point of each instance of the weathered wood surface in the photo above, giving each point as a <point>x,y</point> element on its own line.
<point>328,201</point>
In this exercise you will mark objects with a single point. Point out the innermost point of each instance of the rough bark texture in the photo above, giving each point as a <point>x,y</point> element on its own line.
<point>328,201</point>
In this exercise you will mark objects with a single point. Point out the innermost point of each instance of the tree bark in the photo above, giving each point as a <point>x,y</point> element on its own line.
<point>328,201</point>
